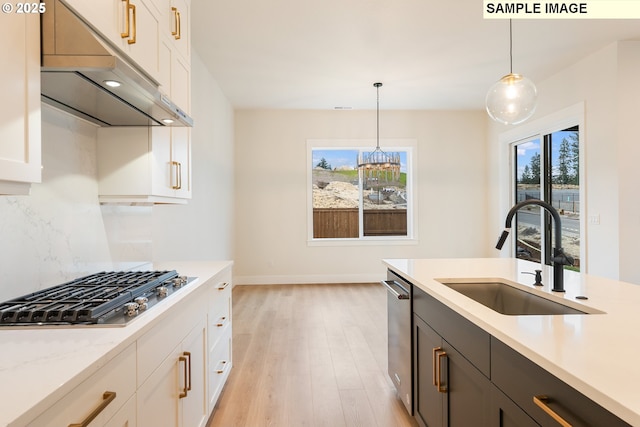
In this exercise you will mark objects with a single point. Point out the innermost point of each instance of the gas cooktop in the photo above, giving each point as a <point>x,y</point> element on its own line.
<point>106,298</point>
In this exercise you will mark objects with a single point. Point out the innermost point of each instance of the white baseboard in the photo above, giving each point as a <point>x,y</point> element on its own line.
<point>308,279</point>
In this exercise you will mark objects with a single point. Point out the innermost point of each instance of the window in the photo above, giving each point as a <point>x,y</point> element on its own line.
<point>347,205</point>
<point>547,168</point>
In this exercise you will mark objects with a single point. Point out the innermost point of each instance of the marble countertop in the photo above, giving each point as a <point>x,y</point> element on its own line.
<point>597,354</point>
<point>38,366</point>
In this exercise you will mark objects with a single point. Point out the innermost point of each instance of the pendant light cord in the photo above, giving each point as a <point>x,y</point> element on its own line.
<point>377,85</point>
<point>510,48</point>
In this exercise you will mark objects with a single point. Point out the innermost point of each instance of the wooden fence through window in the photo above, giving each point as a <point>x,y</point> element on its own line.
<point>342,223</point>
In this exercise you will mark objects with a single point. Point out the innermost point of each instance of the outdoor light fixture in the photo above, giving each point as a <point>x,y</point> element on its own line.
<point>512,99</point>
<point>378,165</point>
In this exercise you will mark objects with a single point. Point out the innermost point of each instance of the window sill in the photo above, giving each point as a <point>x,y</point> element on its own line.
<point>369,241</point>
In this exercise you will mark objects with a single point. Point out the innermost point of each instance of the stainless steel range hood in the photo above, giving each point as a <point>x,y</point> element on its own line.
<point>76,63</point>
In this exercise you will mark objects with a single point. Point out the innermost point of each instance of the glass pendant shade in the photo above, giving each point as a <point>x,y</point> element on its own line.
<point>512,99</point>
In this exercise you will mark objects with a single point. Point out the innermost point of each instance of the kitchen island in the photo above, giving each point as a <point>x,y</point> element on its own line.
<point>41,366</point>
<point>596,354</point>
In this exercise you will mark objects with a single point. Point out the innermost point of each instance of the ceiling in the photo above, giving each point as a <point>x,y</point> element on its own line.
<point>429,54</point>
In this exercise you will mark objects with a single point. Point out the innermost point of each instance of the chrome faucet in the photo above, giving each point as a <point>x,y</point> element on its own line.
<point>559,259</point>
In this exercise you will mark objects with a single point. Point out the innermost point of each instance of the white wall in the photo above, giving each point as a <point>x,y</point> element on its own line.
<point>61,232</point>
<point>605,83</point>
<point>57,232</point>
<point>202,229</point>
<point>271,192</point>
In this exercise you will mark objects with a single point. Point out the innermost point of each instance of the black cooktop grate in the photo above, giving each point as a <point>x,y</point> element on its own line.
<point>83,300</point>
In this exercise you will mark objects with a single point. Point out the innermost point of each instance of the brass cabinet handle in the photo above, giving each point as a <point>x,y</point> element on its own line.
<point>132,40</point>
<point>127,24</point>
<point>441,388</point>
<point>107,397</point>
<point>224,366</point>
<point>435,370</point>
<point>183,393</point>
<point>221,322</point>
<point>174,10</point>
<point>178,172</point>
<point>177,33</point>
<point>223,286</point>
<point>178,21</point>
<point>541,401</point>
<point>188,354</point>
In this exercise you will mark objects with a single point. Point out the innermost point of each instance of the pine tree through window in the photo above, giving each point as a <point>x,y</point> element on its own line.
<point>547,168</point>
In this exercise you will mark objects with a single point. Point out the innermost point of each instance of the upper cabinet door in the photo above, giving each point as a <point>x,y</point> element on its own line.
<point>20,135</point>
<point>132,26</point>
<point>180,26</point>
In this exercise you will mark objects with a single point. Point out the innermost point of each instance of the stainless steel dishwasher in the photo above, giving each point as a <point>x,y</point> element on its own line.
<point>399,334</point>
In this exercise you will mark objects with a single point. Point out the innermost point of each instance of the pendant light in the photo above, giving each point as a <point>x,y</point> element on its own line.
<point>377,166</point>
<point>512,99</point>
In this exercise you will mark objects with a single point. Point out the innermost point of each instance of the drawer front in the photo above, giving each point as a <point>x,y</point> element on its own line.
<point>521,380</point>
<point>220,293</point>
<point>126,416</point>
<point>220,362</point>
<point>219,317</point>
<point>117,376</point>
<point>219,313</point>
<point>470,340</point>
<point>156,344</point>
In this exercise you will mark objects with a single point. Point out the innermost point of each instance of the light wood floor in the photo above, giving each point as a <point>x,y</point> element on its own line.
<point>310,355</point>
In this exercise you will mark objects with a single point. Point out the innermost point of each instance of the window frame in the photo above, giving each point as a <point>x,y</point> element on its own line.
<point>398,144</point>
<point>539,129</point>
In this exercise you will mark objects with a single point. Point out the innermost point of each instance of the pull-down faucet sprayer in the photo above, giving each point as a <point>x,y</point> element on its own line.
<point>559,259</point>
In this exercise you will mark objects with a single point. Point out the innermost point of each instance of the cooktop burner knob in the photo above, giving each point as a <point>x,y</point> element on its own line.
<point>131,309</point>
<point>142,302</point>
<point>178,282</point>
<point>162,291</point>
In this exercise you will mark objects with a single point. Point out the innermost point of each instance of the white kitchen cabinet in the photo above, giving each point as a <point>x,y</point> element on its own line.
<point>144,165</point>
<point>219,335</point>
<point>20,150</point>
<point>180,27</point>
<point>171,372</point>
<point>174,394</point>
<point>132,26</point>
<point>126,416</point>
<point>175,56</point>
<point>108,394</point>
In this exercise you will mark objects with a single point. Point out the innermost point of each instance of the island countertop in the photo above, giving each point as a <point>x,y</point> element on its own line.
<point>597,354</point>
<point>38,366</point>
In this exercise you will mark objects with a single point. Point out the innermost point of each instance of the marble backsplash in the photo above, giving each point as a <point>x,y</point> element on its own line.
<point>60,231</point>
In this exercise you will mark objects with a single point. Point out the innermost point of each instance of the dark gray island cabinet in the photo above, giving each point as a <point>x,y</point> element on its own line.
<point>465,377</point>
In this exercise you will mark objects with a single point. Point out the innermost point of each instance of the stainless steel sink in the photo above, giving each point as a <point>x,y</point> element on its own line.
<point>508,299</point>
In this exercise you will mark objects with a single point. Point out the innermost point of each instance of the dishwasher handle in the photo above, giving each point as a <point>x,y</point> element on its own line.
<point>391,286</point>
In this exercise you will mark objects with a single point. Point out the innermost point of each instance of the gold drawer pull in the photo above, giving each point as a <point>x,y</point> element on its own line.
<point>222,321</point>
<point>184,393</point>
<point>127,23</point>
<point>441,388</point>
<point>107,397</point>
<point>178,21</point>
<point>174,10</point>
<point>435,370</point>
<point>132,40</point>
<point>188,354</point>
<point>541,401</point>
<point>223,286</point>
<point>223,368</point>
<point>177,167</point>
